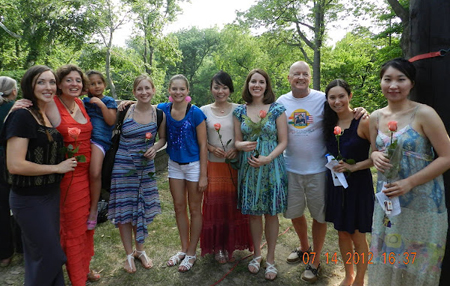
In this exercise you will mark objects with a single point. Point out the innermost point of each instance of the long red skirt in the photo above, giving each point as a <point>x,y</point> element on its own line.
<point>224,227</point>
<point>76,241</point>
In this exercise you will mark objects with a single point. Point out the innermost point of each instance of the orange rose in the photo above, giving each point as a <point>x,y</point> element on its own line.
<point>74,132</point>
<point>337,130</point>
<point>217,126</point>
<point>148,135</point>
<point>262,114</point>
<point>392,125</point>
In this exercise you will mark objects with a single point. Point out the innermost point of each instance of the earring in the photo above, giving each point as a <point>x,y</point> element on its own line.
<point>188,98</point>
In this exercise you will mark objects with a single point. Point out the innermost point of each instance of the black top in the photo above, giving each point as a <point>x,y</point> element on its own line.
<point>21,123</point>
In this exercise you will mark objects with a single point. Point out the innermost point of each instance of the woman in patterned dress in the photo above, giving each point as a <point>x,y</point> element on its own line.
<point>261,133</point>
<point>134,199</point>
<point>408,248</point>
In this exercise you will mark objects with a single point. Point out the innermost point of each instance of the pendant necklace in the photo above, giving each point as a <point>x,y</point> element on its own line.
<point>70,110</point>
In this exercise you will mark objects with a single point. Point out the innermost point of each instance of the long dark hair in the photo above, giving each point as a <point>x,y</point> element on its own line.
<point>330,118</point>
<point>28,84</point>
<point>269,96</point>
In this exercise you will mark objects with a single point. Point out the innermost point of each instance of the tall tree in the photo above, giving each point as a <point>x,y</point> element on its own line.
<point>151,17</point>
<point>401,9</point>
<point>300,24</point>
<point>44,22</point>
<point>110,15</point>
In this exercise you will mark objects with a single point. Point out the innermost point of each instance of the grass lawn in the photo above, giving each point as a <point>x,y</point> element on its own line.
<point>163,242</point>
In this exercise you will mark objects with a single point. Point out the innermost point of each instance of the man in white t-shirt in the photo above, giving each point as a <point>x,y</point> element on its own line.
<point>305,163</point>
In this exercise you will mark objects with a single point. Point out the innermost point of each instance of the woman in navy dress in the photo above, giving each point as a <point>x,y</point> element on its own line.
<point>349,209</point>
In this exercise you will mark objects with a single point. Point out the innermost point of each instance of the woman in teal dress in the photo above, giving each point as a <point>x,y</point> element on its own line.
<point>261,133</point>
<point>408,248</point>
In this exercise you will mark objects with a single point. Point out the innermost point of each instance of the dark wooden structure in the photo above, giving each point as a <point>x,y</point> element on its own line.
<point>430,32</point>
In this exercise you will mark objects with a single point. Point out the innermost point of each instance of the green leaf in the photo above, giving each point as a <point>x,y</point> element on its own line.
<point>81,158</point>
<point>228,143</point>
<point>130,173</point>
<point>351,161</point>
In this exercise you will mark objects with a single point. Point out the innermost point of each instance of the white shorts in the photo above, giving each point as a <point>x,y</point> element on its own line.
<point>189,171</point>
<point>99,147</point>
<point>306,190</point>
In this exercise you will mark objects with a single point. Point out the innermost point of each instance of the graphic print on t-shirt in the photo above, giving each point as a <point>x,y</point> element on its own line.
<point>300,118</point>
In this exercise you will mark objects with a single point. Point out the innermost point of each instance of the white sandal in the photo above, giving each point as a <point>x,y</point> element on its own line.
<point>174,260</point>
<point>142,255</point>
<point>130,257</point>
<point>270,268</point>
<point>254,263</point>
<point>187,263</point>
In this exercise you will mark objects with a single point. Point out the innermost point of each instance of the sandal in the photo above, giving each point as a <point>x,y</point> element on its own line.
<point>254,263</point>
<point>270,268</point>
<point>311,274</point>
<point>174,260</point>
<point>187,263</point>
<point>142,255</point>
<point>220,257</point>
<point>93,276</point>
<point>130,258</point>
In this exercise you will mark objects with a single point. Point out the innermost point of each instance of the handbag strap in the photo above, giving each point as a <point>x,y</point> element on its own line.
<point>121,117</point>
<point>159,117</point>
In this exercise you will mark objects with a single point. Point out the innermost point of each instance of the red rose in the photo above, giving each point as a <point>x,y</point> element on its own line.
<point>217,126</point>
<point>262,114</point>
<point>74,132</point>
<point>392,125</point>
<point>337,130</point>
<point>148,135</point>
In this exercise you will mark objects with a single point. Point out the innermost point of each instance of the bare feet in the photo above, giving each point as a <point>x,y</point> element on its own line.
<point>348,281</point>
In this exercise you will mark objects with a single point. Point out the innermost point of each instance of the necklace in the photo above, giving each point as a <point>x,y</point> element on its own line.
<point>70,110</point>
<point>222,109</point>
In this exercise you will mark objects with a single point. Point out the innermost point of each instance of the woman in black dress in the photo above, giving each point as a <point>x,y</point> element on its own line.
<point>349,209</point>
<point>37,166</point>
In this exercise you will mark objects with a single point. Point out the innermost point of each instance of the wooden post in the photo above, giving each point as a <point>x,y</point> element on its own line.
<point>430,32</point>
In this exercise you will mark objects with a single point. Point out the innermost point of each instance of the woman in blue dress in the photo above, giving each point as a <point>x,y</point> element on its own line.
<point>349,209</point>
<point>261,133</point>
<point>408,248</point>
<point>134,200</point>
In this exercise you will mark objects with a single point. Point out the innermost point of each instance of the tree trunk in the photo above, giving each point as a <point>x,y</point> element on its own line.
<point>429,22</point>
<point>318,34</point>
<point>109,80</point>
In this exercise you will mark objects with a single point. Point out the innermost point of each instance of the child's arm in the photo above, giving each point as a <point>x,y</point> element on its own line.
<point>109,114</point>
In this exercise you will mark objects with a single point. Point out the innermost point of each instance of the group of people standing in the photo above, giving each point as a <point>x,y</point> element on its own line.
<point>279,147</point>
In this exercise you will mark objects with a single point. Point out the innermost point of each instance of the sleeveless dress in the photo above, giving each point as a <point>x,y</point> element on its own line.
<point>77,241</point>
<point>224,227</point>
<point>352,208</point>
<point>420,229</point>
<point>134,196</point>
<point>262,190</point>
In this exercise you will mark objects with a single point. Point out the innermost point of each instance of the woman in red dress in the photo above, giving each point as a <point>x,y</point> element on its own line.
<point>68,112</point>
